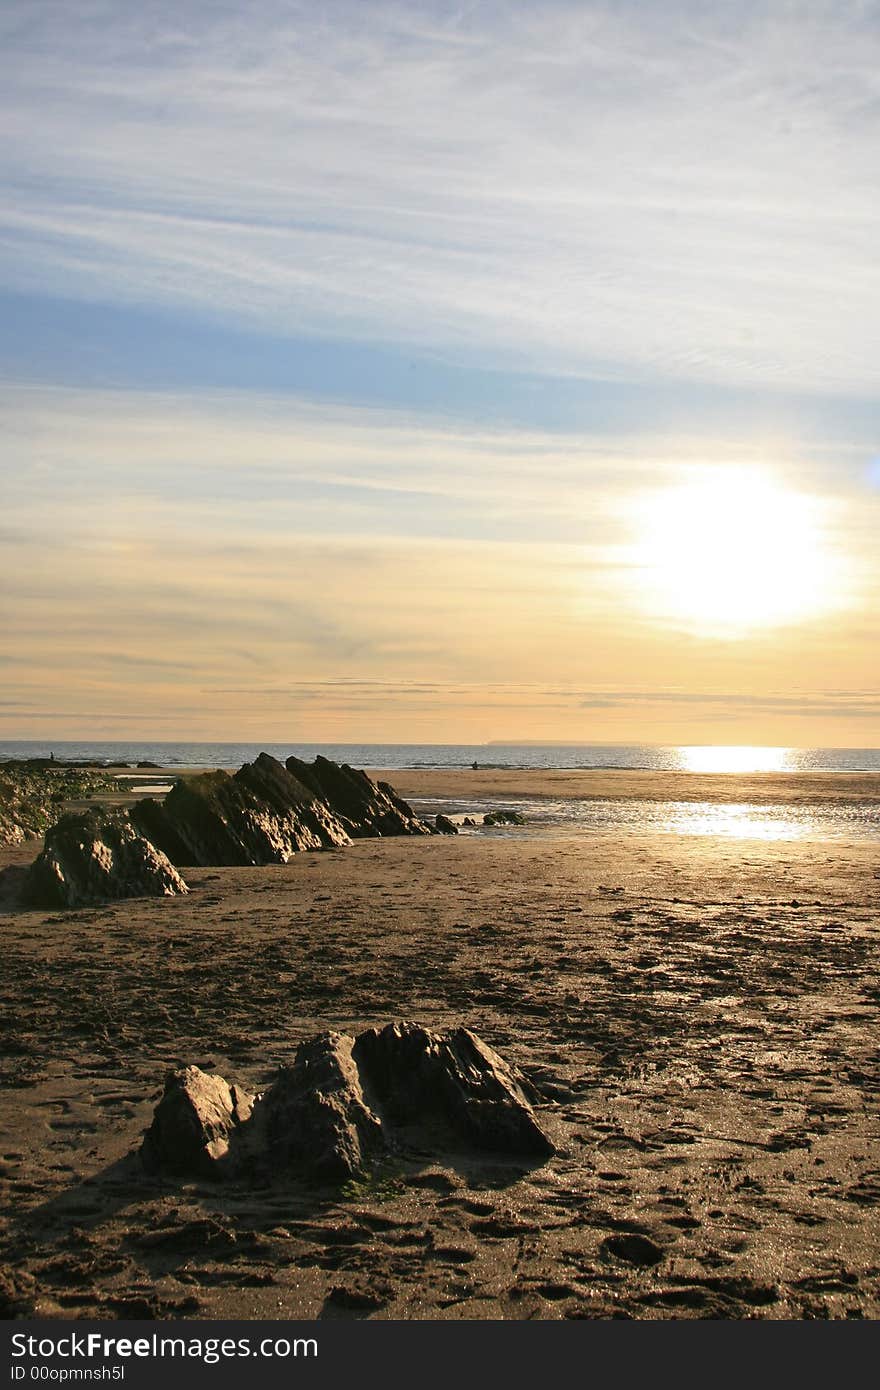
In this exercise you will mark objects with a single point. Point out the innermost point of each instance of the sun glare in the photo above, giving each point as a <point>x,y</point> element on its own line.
<point>734,551</point>
<point>716,758</point>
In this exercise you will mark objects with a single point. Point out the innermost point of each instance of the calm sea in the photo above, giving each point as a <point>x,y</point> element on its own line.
<point>661,758</point>
<point>752,821</point>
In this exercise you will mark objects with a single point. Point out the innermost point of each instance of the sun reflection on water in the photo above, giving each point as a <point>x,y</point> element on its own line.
<point>736,758</point>
<point>737,822</point>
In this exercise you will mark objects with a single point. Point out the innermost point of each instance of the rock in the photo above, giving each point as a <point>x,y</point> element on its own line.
<point>313,825</point>
<point>268,811</point>
<point>32,792</point>
<point>344,1104</point>
<point>315,1117</point>
<point>445,826</point>
<point>93,856</point>
<point>415,1075</point>
<point>145,762</point>
<point>262,815</point>
<point>365,808</point>
<point>195,1124</point>
<point>469,822</point>
<point>503,818</point>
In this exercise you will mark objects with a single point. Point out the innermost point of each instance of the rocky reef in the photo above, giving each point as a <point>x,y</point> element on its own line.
<point>33,793</point>
<point>345,1104</point>
<point>94,856</point>
<point>365,808</point>
<point>267,811</point>
<point>262,814</point>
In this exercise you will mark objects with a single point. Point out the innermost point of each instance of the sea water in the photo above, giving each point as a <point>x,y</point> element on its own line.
<point>643,756</point>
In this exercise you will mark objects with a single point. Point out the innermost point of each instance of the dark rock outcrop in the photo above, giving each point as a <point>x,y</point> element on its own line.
<point>345,1103</point>
<point>261,815</point>
<point>195,1124</point>
<point>366,808</point>
<point>314,823</point>
<point>315,1118</point>
<point>503,818</point>
<point>268,811</point>
<point>417,1076</point>
<point>445,826</point>
<point>90,857</point>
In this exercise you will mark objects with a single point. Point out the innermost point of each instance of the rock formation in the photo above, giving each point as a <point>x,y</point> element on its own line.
<point>32,795</point>
<point>266,812</point>
<point>451,1079</point>
<point>90,857</point>
<point>261,815</point>
<point>445,826</point>
<point>194,1123</point>
<point>366,808</point>
<point>315,1118</point>
<point>345,1103</point>
<point>503,818</point>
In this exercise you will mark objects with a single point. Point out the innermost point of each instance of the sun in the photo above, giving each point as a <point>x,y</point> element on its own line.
<point>732,551</point>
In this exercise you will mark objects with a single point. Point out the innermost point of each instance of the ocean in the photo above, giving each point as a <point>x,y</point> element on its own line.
<point>659,757</point>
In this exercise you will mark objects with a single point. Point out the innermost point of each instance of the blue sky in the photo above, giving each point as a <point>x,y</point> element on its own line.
<point>436,290</point>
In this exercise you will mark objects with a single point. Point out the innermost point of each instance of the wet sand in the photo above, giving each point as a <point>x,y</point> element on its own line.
<point>699,1014</point>
<point>800,788</point>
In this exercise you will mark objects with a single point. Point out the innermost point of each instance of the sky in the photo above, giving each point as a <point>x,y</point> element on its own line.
<point>434,372</point>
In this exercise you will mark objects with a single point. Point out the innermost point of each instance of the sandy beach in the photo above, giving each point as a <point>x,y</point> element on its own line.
<point>699,1016</point>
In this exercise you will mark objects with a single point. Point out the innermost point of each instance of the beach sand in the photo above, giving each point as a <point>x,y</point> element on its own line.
<point>700,1015</point>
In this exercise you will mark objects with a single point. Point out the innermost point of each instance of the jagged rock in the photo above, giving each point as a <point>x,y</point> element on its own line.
<point>416,1075</point>
<point>445,826</point>
<point>195,1124</point>
<point>313,825</point>
<point>262,815</point>
<point>91,857</point>
<point>344,1103</point>
<point>266,812</point>
<point>469,822</point>
<point>315,1117</point>
<point>503,818</point>
<point>365,808</point>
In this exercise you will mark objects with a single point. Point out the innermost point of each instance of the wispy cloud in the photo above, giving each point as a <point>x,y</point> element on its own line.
<point>712,704</point>
<point>624,191</point>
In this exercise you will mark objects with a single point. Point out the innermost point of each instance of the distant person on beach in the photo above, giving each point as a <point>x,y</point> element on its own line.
<point>475,765</point>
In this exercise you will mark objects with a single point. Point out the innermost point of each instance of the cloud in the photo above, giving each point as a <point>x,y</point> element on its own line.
<point>813,704</point>
<point>626,192</point>
<point>231,466</point>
